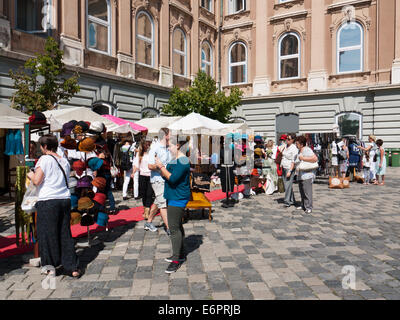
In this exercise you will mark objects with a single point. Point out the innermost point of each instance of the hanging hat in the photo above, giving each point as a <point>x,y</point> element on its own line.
<point>86,220</point>
<point>85,203</point>
<point>102,219</point>
<point>79,166</point>
<point>84,182</point>
<point>87,145</point>
<point>258,152</point>
<point>75,218</point>
<point>100,198</point>
<point>283,137</point>
<point>37,118</point>
<point>81,127</point>
<point>258,139</point>
<point>95,163</point>
<point>69,143</point>
<point>99,183</point>
<point>67,128</point>
<point>96,127</point>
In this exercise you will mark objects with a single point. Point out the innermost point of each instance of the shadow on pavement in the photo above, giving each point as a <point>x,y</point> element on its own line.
<point>193,242</point>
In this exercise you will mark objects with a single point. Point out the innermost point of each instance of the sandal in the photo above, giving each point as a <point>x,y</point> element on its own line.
<point>74,274</point>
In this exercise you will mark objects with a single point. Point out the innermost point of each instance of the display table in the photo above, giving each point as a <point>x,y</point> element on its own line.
<point>199,201</point>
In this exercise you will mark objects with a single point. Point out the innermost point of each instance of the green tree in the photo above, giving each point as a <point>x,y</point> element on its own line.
<point>40,85</point>
<point>204,98</point>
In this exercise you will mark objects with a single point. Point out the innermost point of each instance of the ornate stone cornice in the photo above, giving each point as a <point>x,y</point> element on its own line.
<point>289,4</point>
<point>339,6</point>
<point>292,15</point>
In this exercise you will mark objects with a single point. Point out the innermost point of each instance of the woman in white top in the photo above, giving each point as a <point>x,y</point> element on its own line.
<point>289,155</point>
<point>372,148</point>
<point>56,245</point>
<point>141,165</point>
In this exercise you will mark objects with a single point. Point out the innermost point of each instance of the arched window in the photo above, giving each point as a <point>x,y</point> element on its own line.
<point>144,39</point>
<point>350,124</point>
<point>350,48</point>
<point>179,53</point>
<point>289,56</point>
<point>103,108</point>
<point>99,25</point>
<point>206,58</point>
<point>238,63</point>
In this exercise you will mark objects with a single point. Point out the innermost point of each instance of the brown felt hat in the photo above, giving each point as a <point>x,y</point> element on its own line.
<point>87,145</point>
<point>85,203</point>
<point>75,218</point>
<point>69,143</point>
<point>99,183</point>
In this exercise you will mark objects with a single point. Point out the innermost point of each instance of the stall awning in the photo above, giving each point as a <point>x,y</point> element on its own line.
<point>84,114</point>
<point>11,118</point>
<point>155,124</point>
<point>195,123</point>
<point>136,127</point>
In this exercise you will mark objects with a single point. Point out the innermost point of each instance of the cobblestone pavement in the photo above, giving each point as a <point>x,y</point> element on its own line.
<point>256,250</point>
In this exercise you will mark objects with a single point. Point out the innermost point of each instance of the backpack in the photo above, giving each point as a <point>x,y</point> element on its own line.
<point>126,161</point>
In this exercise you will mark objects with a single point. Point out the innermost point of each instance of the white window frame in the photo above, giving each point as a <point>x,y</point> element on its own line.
<point>48,16</point>
<point>210,4</point>
<point>143,38</point>
<point>232,9</point>
<point>340,49</point>
<point>106,24</point>
<point>208,63</point>
<point>283,1</point>
<point>360,116</point>
<point>182,53</point>
<point>236,64</point>
<point>290,56</point>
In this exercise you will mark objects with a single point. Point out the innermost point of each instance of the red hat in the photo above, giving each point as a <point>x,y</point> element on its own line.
<point>283,137</point>
<point>100,183</point>
<point>100,198</point>
<point>79,166</point>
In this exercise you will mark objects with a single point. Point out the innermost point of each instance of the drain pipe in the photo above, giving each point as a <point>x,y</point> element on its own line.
<point>220,46</point>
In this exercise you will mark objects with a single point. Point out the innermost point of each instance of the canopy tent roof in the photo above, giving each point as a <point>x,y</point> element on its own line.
<point>11,118</point>
<point>83,114</point>
<point>195,123</point>
<point>236,127</point>
<point>155,124</point>
<point>136,127</point>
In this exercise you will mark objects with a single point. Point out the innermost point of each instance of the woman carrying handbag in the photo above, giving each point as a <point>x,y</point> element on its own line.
<point>56,245</point>
<point>307,163</point>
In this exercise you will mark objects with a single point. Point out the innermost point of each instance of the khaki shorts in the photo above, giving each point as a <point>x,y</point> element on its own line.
<point>158,188</point>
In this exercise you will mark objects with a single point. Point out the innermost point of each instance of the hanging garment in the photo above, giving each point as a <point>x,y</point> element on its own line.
<point>14,144</point>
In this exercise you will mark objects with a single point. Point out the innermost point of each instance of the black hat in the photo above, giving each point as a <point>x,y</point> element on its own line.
<point>37,118</point>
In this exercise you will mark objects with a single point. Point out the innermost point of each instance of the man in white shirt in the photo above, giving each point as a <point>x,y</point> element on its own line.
<point>159,150</point>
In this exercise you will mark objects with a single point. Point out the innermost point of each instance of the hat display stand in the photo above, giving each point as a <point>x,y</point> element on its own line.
<point>88,242</point>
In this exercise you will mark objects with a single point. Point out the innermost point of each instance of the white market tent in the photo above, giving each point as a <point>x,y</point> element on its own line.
<point>57,118</point>
<point>155,124</point>
<point>11,118</point>
<point>236,127</point>
<point>195,123</point>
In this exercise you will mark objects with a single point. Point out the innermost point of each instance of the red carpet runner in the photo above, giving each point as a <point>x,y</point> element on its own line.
<point>9,248</point>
